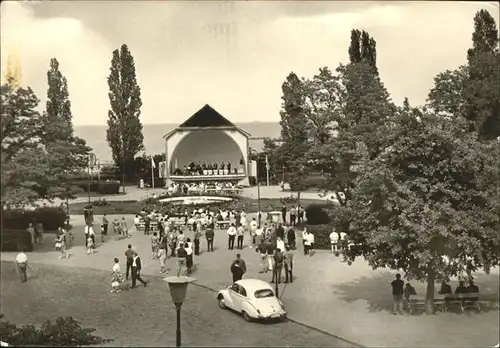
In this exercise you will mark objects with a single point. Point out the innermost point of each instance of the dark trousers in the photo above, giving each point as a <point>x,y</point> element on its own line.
<point>239,244</point>
<point>300,217</point>
<point>197,247</point>
<point>210,245</point>
<point>172,252</point>
<point>105,229</point>
<point>306,249</point>
<point>136,276</point>
<point>146,229</point>
<point>288,273</point>
<point>129,267</point>
<point>237,277</point>
<point>23,272</point>
<point>283,216</point>
<point>277,274</point>
<point>293,219</point>
<point>231,242</point>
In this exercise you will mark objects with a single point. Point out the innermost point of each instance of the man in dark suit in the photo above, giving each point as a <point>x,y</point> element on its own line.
<point>129,254</point>
<point>283,214</point>
<point>136,271</point>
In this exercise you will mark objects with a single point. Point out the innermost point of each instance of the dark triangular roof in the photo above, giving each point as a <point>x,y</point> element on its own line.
<point>207,117</point>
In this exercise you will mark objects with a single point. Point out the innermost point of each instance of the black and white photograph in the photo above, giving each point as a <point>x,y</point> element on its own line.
<point>250,173</point>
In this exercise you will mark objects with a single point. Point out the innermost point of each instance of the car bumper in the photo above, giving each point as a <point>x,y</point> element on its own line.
<point>274,316</point>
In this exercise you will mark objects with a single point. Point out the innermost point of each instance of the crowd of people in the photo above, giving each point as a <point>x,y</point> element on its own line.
<point>210,168</point>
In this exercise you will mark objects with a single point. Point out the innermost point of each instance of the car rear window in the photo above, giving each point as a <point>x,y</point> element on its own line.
<point>264,293</point>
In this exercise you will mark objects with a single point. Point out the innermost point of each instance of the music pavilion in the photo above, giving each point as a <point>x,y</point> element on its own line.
<point>207,137</point>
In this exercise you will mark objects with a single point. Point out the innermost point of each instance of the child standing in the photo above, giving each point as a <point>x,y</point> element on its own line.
<point>90,245</point>
<point>116,277</point>
<point>155,241</point>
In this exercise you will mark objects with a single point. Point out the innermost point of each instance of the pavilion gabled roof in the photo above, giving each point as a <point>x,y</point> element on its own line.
<point>206,117</point>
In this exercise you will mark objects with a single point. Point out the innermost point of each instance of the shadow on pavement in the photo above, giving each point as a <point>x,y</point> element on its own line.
<point>376,291</point>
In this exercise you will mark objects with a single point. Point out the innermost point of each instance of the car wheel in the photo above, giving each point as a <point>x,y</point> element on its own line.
<point>222,303</point>
<point>247,317</point>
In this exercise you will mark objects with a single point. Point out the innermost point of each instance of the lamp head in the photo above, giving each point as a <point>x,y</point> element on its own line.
<point>178,288</point>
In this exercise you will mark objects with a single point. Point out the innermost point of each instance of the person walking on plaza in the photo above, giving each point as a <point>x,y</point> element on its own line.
<point>240,231</point>
<point>22,266</point>
<point>136,271</point>
<point>300,214</point>
<point>253,228</point>
<point>137,223</point>
<point>209,235</point>
<point>196,241</point>
<point>242,267</point>
<point>334,241</point>
<point>280,231</point>
<point>116,229</point>
<point>116,277</point>
<point>32,233</point>
<point>181,259</point>
<point>172,242</point>
<point>147,224</point>
<point>277,265</point>
<point>105,224</point>
<point>343,245</point>
<point>162,256</point>
<point>397,294</point>
<point>259,232</point>
<point>61,244</point>
<point>155,242</point>
<point>124,227</point>
<point>231,232</point>
<point>270,254</point>
<point>236,271</point>
<point>189,256</point>
<point>288,262</point>
<point>90,245</point>
<point>262,248</point>
<point>129,255</point>
<point>293,216</point>
<point>283,214</point>
<point>290,237</point>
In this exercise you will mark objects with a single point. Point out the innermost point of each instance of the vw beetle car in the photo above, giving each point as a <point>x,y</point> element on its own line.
<point>253,298</point>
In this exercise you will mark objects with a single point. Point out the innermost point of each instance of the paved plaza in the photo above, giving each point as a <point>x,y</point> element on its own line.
<point>351,302</point>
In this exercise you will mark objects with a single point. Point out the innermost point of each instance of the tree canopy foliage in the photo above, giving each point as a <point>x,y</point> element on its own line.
<point>124,134</point>
<point>417,187</point>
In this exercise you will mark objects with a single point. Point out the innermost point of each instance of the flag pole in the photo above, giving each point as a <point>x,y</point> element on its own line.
<point>153,172</point>
<point>267,170</point>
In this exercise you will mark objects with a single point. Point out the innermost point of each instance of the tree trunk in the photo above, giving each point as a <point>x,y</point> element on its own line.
<point>298,199</point>
<point>429,296</point>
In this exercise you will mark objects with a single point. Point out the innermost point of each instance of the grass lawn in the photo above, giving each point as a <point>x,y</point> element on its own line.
<point>134,207</point>
<point>138,317</point>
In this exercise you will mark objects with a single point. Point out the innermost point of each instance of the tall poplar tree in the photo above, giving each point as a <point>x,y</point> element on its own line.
<point>67,153</point>
<point>124,134</point>
<point>363,47</point>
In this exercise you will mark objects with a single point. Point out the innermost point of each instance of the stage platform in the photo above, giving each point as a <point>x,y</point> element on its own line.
<point>194,178</point>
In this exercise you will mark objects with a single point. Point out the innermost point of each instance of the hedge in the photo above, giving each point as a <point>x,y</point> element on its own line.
<point>321,236</point>
<point>109,187</point>
<point>316,214</point>
<point>16,240</point>
<point>17,219</point>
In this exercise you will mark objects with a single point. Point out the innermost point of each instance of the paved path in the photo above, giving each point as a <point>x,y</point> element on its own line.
<point>350,302</point>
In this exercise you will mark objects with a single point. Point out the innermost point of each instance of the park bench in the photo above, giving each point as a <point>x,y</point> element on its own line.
<point>419,303</point>
<point>153,226</point>
<point>463,301</point>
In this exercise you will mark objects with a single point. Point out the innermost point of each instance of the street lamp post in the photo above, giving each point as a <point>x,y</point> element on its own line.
<point>178,287</point>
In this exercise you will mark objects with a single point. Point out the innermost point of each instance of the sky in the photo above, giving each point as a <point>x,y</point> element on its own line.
<point>231,55</point>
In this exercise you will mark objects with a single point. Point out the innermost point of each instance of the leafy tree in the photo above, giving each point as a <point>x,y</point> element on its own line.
<point>429,204</point>
<point>482,90</point>
<point>363,47</point>
<point>23,158</point>
<point>65,332</point>
<point>294,135</point>
<point>448,93</point>
<point>124,134</point>
<point>67,153</point>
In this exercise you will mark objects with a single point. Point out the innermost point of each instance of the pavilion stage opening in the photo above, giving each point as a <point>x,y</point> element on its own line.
<point>196,200</point>
<point>207,148</point>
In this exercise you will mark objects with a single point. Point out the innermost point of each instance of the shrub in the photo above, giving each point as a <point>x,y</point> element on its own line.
<point>19,219</point>
<point>109,187</point>
<point>16,240</point>
<point>65,332</point>
<point>84,185</point>
<point>321,236</point>
<point>316,214</point>
<point>100,203</point>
